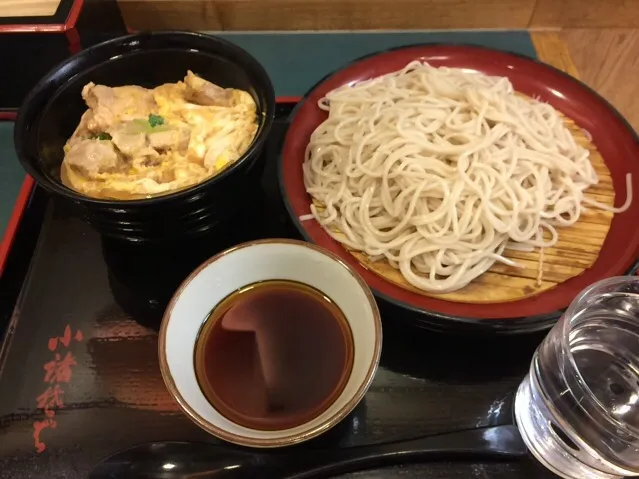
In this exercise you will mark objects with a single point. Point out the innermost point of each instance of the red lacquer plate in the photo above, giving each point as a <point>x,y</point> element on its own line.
<point>612,135</point>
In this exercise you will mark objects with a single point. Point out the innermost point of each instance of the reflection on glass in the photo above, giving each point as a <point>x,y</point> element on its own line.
<point>577,409</point>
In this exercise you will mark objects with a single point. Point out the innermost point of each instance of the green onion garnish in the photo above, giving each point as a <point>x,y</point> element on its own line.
<point>101,136</point>
<point>155,120</point>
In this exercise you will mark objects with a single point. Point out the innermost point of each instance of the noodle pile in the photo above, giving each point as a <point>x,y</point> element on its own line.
<point>440,170</point>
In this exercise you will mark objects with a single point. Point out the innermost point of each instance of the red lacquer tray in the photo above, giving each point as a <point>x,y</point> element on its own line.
<point>612,135</point>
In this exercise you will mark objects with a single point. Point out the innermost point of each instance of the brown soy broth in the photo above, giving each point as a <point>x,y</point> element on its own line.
<point>274,355</point>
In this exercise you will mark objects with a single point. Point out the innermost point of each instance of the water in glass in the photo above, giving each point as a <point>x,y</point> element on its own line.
<point>578,408</point>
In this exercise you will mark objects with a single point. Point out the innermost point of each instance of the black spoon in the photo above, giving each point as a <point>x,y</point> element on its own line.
<point>191,460</point>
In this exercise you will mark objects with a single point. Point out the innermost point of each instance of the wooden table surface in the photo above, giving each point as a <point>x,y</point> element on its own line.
<point>28,8</point>
<point>607,60</point>
<point>276,15</point>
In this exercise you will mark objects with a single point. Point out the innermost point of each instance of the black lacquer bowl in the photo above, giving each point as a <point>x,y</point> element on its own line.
<point>53,109</point>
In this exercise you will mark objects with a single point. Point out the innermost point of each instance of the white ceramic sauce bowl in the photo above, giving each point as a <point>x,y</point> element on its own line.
<point>273,259</point>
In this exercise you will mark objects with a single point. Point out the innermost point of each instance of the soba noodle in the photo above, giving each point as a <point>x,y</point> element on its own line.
<point>440,170</point>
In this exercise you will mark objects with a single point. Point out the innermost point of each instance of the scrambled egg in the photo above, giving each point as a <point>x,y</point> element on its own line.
<point>136,143</point>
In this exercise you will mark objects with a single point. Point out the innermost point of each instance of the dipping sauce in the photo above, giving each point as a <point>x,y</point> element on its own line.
<point>274,355</point>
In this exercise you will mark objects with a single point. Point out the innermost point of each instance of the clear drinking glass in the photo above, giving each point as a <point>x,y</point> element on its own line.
<point>578,408</point>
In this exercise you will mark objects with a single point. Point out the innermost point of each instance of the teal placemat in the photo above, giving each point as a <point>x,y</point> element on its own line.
<point>295,62</point>
<point>11,174</point>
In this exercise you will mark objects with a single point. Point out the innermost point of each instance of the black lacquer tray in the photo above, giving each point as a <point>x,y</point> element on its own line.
<point>79,376</point>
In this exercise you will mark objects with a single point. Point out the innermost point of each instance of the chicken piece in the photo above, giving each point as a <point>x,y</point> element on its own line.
<point>176,139</point>
<point>203,92</point>
<point>115,104</point>
<point>93,157</point>
<point>131,144</point>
